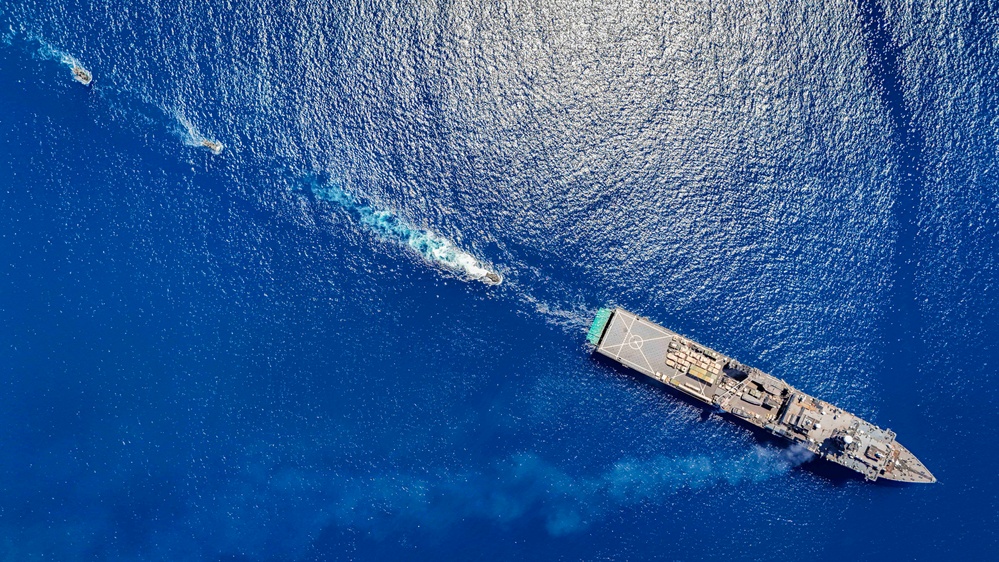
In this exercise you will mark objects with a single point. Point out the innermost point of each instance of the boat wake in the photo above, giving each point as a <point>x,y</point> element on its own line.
<point>571,318</point>
<point>526,486</point>
<point>48,52</point>
<point>432,247</point>
<point>521,487</point>
<point>192,137</point>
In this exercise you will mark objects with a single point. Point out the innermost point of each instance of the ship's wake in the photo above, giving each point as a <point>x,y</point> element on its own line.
<point>521,488</point>
<point>191,136</point>
<point>48,51</point>
<point>430,246</point>
<point>527,486</point>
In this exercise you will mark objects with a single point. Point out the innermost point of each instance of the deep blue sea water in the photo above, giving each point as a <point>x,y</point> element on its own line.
<point>232,357</point>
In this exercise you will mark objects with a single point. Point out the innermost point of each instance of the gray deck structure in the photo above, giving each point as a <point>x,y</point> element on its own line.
<point>754,396</point>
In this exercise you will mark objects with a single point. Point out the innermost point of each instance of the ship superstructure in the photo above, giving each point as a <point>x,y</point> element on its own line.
<point>754,396</point>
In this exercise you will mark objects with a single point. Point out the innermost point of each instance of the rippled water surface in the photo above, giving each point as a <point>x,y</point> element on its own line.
<point>283,351</point>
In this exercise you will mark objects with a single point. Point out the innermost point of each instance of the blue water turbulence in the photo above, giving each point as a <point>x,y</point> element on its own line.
<point>430,246</point>
<point>312,280</point>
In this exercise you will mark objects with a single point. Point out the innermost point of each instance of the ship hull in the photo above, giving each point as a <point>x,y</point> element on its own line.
<point>754,397</point>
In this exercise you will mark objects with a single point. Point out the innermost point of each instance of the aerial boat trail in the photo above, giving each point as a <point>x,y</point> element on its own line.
<point>79,73</point>
<point>429,245</point>
<point>813,426</point>
<point>192,137</point>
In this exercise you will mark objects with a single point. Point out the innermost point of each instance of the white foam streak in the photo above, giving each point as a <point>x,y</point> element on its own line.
<point>430,246</point>
<point>47,51</point>
<point>192,137</point>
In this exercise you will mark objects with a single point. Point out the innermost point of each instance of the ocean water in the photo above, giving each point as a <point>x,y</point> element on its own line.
<point>283,351</point>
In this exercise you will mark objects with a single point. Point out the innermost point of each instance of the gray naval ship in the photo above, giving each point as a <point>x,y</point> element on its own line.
<point>754,396</point>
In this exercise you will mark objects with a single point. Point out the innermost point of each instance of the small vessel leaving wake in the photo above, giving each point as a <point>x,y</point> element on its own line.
<point>80,74</point>
<point>49,52</point>
<point>194,138</point>
<point>213,145</point>
<point>430,246</point>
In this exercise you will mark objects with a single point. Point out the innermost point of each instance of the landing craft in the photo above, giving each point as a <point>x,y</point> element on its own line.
<point>446,254</point>
<point>476,270</point>
<point>81,75</point>
<point>214,146</point>
<point>753,396</point>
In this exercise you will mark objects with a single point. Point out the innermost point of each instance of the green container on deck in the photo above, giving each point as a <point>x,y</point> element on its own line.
<point>599,323</point>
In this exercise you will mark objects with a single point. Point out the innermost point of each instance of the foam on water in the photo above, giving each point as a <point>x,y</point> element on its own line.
<point>49,52</point>
<point>192,137</point>
<point>430,246</point>
<point>570,319</point>
<point>741,117</point>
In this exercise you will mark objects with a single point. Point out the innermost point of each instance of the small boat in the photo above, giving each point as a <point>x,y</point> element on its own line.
<point>492,278</point>
<point>214,146</point>
<point>81,75</point>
